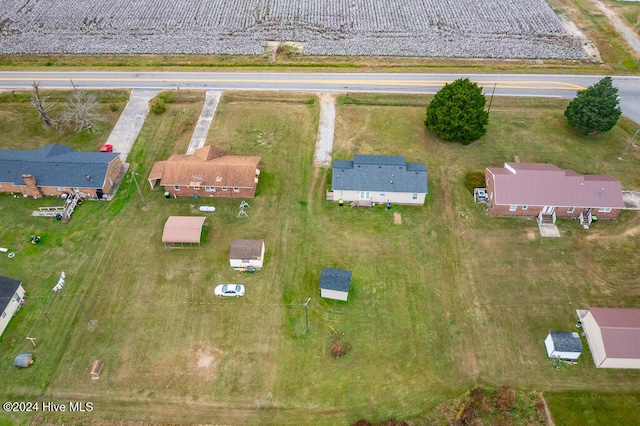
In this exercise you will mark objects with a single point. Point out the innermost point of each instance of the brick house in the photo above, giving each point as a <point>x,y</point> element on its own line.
<point>55,169</point>
<point>208,172</point>
<point>545,191</point>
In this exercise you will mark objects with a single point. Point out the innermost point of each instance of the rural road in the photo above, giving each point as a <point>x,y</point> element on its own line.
<point>564,86</point>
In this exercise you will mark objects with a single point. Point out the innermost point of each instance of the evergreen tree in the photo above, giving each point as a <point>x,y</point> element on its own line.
<point>457,113</point>
<point>594,110</point>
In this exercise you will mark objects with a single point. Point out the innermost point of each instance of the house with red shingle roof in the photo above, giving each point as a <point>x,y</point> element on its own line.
<point>208,172</point>
<point>546,191</point>
<point>613,335</point>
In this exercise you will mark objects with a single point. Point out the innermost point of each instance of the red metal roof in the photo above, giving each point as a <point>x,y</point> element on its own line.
<point>620,329</point>
<point>541,184</point>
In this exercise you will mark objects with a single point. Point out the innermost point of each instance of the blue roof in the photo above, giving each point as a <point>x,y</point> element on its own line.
<point>8,287</point>
<point>379,173</point>
<point>56,165</point>
<point>566,341</point>
<point>335,279</point>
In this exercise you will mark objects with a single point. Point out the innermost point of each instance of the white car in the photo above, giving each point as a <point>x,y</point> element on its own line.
<point>229,290</point>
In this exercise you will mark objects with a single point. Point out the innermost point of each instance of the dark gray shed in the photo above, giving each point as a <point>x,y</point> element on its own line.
<point>335,283</point>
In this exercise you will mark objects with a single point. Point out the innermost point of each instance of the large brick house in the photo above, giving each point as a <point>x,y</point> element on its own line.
<point>544,190</point>
<point>55,169</point>
<point>209,172</point>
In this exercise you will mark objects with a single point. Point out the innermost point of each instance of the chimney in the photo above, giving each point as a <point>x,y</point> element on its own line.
<point>32,188</point>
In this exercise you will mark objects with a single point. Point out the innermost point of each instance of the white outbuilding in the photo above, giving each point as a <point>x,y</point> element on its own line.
<point>246,255</point>
<point>563,345</point>
<point>335,284</point>
<point>613,335</point>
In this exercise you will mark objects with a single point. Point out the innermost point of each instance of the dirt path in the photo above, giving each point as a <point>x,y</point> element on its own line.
<point>204,122</point>
<point>326,128</point>
<point>627,33</point>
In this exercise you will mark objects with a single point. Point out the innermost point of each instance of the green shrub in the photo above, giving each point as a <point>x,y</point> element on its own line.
<point>157,106</point>
<point>168,97</point>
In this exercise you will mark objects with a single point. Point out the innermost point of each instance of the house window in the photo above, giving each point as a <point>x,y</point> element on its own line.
<point>236,189</point>
<point>570,209</point>
<point>4,314</point>
<point>382,194</point>
<point>245,260</point>
<point>364,195</point>
<point>196,188</point>
<point>525,207</point>
<point>210,188</point>
<point>176,187</point>
<point>60,188</point>
<point>604,210</point>
<point>224,188</point>
<point>513,207</point>
<point>115,167</point>
<point>415,196</point>
<point>16,297</point>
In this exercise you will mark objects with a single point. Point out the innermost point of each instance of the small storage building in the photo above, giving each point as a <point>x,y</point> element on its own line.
<point>613,335</point>
<point>246,254</point>
<point>335,284</point>
<point>563,345</point>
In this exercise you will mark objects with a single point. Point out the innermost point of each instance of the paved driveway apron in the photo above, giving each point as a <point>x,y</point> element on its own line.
<point>126,130</point>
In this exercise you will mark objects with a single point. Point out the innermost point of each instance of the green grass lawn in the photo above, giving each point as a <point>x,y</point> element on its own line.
<point>448,299</point>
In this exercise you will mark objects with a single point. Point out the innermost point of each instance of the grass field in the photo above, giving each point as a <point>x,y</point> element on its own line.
<point>449,299</point>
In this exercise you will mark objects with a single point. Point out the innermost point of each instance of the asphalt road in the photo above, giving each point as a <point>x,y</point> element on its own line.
<point>563,86</point>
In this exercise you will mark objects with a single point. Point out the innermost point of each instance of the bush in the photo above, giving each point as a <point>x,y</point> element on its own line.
<point>473,180</point>
<point>157,106</point>
<point>338,350</point>
<point>505,399</point>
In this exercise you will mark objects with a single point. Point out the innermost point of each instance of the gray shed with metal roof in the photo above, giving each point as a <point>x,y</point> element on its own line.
<point>563,345</point>
<point>335,284</point>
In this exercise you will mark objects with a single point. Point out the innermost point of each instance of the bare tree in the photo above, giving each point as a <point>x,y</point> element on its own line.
<point>40,103</point>
<point>81,113</point>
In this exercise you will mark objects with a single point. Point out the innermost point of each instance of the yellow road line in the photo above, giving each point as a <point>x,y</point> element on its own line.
<point>538,85</point>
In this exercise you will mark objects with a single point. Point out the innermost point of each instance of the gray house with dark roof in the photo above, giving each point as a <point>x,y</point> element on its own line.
<point>11,296</point>
<point>55,169</point>
<point>335,284</point>
<point>371,179</point>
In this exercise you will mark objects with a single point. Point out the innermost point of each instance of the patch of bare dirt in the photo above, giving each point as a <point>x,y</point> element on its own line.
<point>397,218</point>
<point>206,358</point>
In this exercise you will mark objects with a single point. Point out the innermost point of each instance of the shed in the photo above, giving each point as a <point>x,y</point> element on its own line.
<point>613,335</point>
<point>246,254</point>
<point>335,284</point>
<point>23,360</point>
<point>181,230</point>
<point>563,345</point>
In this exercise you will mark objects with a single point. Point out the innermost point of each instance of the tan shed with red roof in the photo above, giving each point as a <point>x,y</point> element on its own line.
<point>613,335</point>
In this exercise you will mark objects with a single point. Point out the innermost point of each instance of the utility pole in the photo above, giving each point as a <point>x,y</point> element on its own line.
<point>491,98</point>
<point>629,144</point>
<point>83,310</point>
<point>306,312</point>
<point>144,204</point>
